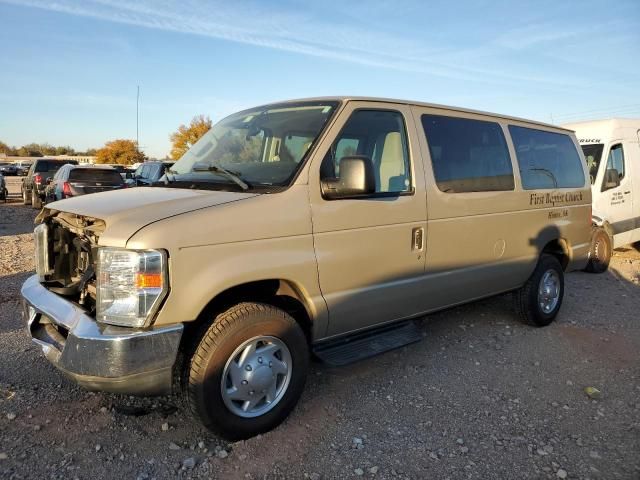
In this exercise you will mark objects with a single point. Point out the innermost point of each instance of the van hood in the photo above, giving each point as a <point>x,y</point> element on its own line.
<point>126,211</point>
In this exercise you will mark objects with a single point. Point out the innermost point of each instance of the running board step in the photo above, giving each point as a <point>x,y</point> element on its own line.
<point>354,348</point>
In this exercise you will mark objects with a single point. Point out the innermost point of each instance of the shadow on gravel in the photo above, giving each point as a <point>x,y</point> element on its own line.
<point>16,218</point>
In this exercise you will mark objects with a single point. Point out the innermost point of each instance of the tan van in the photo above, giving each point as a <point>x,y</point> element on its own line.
<point>317,226</point>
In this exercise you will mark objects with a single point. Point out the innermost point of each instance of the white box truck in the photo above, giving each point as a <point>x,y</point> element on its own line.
<point>612,151</point>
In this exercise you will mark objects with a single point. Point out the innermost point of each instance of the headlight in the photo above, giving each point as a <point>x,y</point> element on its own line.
<point>130,285</point>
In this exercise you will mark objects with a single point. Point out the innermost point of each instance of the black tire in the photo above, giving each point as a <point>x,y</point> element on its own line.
<point>204,370</point>
<point>600,253</point>
<point>526,299</point>
<point>36,201</point>
<point>26,199</point>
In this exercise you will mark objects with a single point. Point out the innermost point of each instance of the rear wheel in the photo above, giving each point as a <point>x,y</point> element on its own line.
<point>26,200</point>
<point>600,253</point>
<point>36,202</point>
<point>248,371</point>
<point>539,300</point>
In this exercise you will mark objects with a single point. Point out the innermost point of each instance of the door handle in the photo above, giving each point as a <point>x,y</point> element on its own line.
<point>417,239</point>
<point>627,192</point>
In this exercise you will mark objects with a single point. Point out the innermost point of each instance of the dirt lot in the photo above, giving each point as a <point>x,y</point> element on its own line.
<point>482,396</point>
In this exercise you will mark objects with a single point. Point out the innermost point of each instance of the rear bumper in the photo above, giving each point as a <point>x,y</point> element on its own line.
<point>99,357</point>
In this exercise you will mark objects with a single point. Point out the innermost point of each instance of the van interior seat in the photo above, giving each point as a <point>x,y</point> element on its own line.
<point>392,173</point>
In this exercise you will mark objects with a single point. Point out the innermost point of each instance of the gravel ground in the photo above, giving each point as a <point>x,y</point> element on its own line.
<point>482,397</point>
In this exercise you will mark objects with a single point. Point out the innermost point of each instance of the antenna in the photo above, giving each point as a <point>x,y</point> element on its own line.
<point>138,119</point>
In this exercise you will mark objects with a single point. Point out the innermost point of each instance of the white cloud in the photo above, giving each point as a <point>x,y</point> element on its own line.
<point>335,32</point>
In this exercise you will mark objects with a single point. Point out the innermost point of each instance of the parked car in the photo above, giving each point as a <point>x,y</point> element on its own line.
<point>611,151</point>
<point>322,225</point>
<point>148,173</point>
<point>35,183</point>
<point>74,180</point>
<point>8,169</point>
<point>4,193</point>
<point>125,171</point>
<point>23,167</point>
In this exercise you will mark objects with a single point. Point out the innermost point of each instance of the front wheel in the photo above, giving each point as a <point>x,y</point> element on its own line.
<point>248,371</point>
<point>600,253</point>
<point>538,301</point>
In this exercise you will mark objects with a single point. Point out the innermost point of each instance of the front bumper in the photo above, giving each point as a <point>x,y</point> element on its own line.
<point>100,357</point>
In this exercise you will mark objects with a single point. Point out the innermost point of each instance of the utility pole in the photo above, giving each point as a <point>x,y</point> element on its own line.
<point>138,120</point>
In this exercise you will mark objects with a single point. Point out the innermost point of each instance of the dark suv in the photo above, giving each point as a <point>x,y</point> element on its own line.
<point>74,180</point>
<point>35,183</point>
<point>149,172</point>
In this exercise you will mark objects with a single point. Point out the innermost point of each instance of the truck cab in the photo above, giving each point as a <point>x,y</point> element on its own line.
<point>612,152</point>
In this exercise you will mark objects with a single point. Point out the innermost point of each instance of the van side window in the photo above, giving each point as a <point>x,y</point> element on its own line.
<point>468,155</point>
<point>381,136</point>
<point>615,161</point>
<point>546,159</point>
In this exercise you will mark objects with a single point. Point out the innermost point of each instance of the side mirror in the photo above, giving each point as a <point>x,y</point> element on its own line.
<point>611,178</point>
<point>356,178</point>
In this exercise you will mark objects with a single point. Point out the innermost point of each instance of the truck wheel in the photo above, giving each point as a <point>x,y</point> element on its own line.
<point>25,198</point>
<point>36,202</point>
<point>538,301</point>
<point>600,253</point>
<point>248,371</point>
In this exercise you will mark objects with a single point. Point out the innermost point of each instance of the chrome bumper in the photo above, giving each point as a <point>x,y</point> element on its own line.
<point>96,356</point>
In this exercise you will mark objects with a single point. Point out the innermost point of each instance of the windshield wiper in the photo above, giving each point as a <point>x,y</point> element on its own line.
<point>222,171</point>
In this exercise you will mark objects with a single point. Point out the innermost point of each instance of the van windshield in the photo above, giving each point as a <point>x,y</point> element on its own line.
<point>263,147</point>
<point>592,154</point>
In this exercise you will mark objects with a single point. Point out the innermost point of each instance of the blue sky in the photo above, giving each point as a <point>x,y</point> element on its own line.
<point>70,68</point>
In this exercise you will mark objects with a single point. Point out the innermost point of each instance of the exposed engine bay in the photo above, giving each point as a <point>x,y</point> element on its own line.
<point>72,243</point>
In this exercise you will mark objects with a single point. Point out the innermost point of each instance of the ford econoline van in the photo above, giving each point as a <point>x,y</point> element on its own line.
<point>316,227</point>
<point>612,152</point>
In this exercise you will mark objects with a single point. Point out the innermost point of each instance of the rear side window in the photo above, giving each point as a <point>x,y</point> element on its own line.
<point>546,159</point>
<point>95,175</point>
<point>468,155</point>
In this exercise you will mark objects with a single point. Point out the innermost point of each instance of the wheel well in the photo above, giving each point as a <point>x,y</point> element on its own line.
<point>279,293</point>
<point>559,249</point>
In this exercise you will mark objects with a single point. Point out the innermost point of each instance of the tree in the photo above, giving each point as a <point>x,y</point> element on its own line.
<point>123,152</point>
<point>66,150</point>
<point>30,150</point>
<point>186,136</point>
<point>6,149</point>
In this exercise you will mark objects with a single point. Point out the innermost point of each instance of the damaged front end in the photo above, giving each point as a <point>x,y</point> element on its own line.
<point>66,252</point>
<point>59,307</point>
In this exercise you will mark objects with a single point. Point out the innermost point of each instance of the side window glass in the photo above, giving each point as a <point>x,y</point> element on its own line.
<point>546,159</point>
<point>615,161</point>
<point>468,155</point>
<point>381,136</point>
